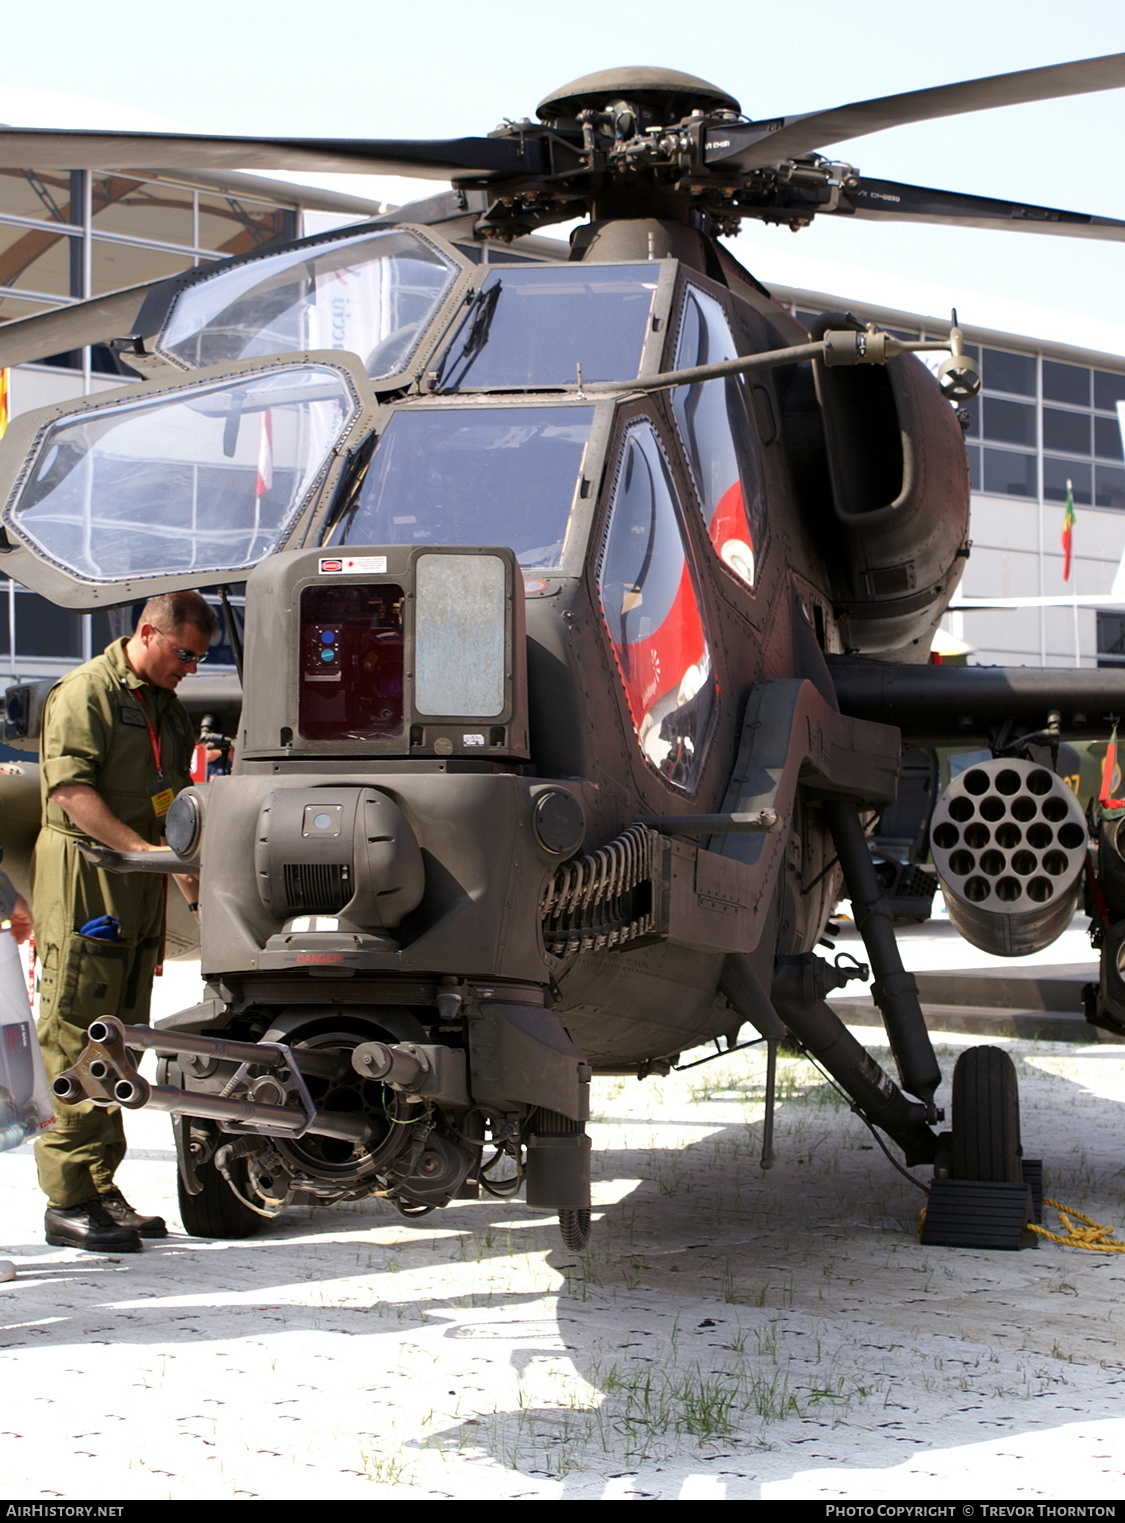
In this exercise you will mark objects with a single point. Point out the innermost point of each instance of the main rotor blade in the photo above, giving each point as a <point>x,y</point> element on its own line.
<point>881,199</point>
<point>27,339</point>
<point>768,142</point>
<point>40,148</point>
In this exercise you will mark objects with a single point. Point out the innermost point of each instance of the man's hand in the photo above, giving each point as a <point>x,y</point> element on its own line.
<point>20,919</point>
<point>89,811</point>
<point>86,808</point>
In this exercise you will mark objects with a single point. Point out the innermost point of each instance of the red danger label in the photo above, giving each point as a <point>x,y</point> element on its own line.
<point>330,565</point>
<point>319,957</point>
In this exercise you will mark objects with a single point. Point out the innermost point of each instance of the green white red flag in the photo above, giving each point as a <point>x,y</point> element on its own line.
<point>1068,531</point>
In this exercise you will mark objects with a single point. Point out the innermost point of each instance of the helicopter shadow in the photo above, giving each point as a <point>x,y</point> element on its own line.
<point>723,1314</point>
<point>692,1329</point>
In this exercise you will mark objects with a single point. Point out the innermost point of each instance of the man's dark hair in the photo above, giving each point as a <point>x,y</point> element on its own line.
<point>168,610</point>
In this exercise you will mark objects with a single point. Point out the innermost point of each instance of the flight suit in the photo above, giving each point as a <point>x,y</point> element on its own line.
<point>95,732</point>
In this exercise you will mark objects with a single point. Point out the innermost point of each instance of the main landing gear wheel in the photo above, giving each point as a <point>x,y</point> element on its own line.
<point>575,1229</point>
<point>985,1141</point>
<point>984,1193</point>
<point>216,1211</point>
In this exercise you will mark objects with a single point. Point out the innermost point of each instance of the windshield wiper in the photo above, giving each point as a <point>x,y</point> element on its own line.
<point>479,322</point>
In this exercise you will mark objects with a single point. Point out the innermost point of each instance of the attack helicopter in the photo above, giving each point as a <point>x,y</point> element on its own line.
<point>588,608</point>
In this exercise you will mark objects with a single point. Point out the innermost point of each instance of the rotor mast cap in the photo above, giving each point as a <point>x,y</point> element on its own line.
<point>664,95</point>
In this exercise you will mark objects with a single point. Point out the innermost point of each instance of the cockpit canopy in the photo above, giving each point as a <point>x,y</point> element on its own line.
<point>370,387</point>
<point>474,476</point>
<point>199,481</point>
<point>544,326</point>
<point>372,295</point>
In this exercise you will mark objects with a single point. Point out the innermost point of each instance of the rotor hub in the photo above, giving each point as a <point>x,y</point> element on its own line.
<point>660,96</point>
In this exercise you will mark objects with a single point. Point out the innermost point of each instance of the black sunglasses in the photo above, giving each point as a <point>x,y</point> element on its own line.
<point>184,657</point>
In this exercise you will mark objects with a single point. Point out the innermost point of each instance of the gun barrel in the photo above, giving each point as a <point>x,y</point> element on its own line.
<point>264,1054</point>
<point>269,1119</point>
<point>106,1074</point>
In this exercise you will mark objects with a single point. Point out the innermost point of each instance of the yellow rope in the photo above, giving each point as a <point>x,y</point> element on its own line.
<point>1094,1235</point>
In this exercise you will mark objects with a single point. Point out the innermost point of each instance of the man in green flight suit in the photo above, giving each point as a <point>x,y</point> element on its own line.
<point>116,749</point>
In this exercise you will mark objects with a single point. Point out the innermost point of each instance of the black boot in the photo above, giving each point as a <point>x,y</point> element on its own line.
<point>90,1226</point>
<point>118,1208</point>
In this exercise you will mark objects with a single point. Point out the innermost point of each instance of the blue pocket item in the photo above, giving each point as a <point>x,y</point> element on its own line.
<point>103,928</point>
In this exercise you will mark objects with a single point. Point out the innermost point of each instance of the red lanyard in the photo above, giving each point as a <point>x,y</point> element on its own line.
<point>155,741</point>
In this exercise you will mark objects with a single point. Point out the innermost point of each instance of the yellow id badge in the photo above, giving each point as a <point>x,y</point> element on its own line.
<point>161,796</point>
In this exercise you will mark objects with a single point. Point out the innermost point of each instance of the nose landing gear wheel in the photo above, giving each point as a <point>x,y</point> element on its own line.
<point>217,1211</point>
<point>575,1229</point>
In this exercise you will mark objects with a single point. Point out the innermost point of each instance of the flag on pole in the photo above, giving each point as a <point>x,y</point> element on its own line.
<point>5,404</point>
<point>265,454</point>
<point>1068,531</point>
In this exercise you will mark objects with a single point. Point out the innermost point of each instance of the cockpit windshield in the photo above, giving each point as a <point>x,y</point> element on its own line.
<point>371,295</point>
<point>534,326</point>
<point>480,476</point>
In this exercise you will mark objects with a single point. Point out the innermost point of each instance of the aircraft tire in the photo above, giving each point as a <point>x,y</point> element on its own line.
<point>575,1229</point>
<point>216,1211</point>
<point>985,1142</point>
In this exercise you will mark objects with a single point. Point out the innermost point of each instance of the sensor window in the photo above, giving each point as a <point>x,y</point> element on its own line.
<point>461,654</point>
<point>350,675</point>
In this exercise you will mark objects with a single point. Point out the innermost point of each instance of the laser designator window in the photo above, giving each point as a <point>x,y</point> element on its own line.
<point>479,476</point>
<point>371,295</point>
<point>459,638</point>
<point>651,608</point>
<point>720,438</point>
<point>209,478</point>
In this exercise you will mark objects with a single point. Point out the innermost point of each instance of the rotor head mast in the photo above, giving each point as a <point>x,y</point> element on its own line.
<point>633,143</point>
